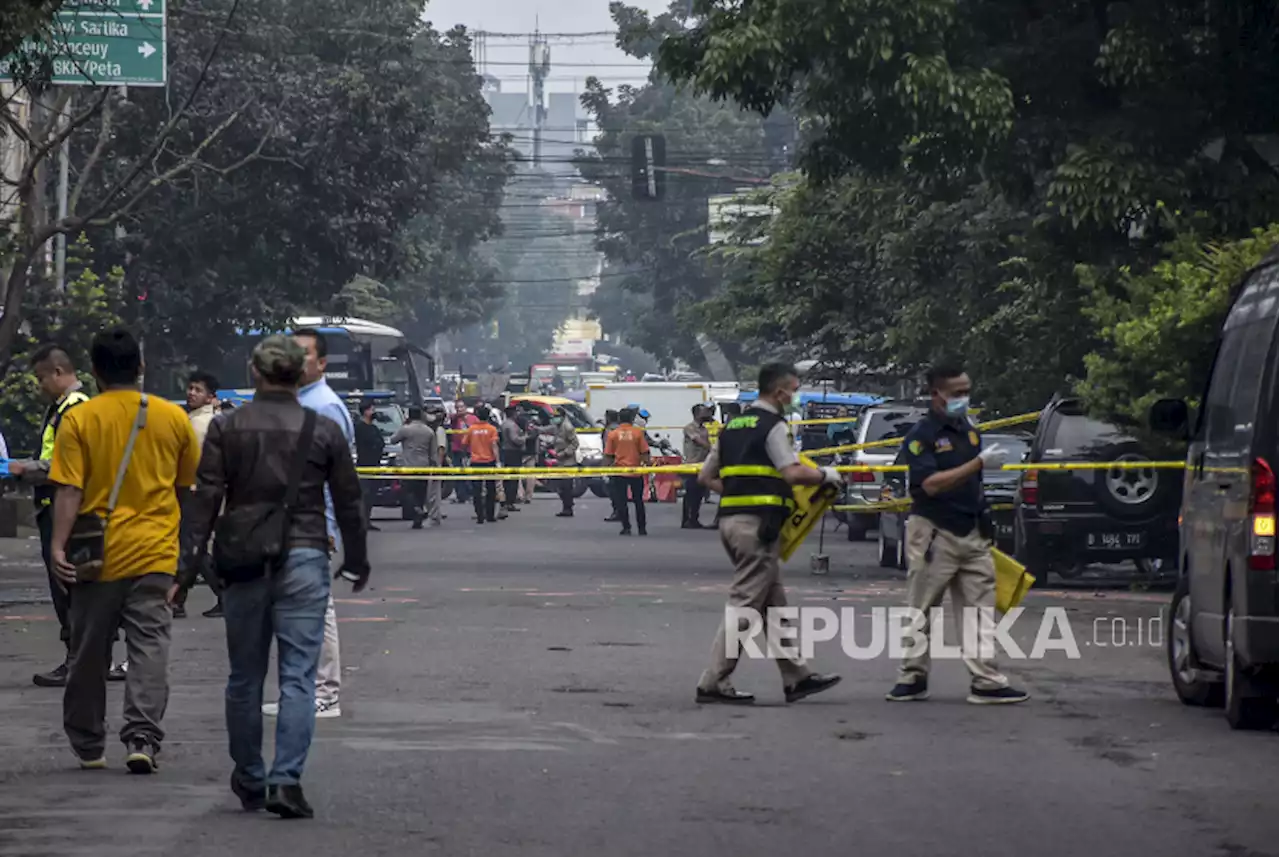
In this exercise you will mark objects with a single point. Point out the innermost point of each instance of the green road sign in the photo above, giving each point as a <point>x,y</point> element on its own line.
<point>103,43</point>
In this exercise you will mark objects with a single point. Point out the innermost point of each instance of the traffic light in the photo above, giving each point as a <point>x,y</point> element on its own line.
<point>648,159</point>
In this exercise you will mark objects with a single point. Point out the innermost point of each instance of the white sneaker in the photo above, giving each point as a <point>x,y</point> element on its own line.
<point>324,709</point>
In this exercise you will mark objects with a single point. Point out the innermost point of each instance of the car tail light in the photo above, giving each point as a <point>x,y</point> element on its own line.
<point>1030,488</point>
<point>862,476</point>
<point>1262,513</point>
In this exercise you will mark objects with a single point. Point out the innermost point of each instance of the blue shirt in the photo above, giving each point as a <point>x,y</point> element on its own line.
<point>320,398</point>
<point>935,444</point>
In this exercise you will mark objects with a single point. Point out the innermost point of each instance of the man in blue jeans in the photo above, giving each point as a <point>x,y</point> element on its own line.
<point>249,458</point>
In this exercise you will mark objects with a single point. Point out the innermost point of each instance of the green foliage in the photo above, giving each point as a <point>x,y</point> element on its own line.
<point>1159,326</point>
<point>89,304</point>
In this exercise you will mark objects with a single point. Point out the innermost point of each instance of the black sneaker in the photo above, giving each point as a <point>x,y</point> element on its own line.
<point>56,677</point>
<point>479,520</point>
<point>142,757</point>
<point>288,802</point>
<point>373,528</point>
<point>916,691</point>
<point>997,696</point>
<point>179,611</point>
<point>810,685</point>
<point>626,531</point>
<point>214,612</point>
<point>566,513</point>
<point>643,531</point>
<point>251,800</point>
<point>118,672</point>
<point>724,697</point>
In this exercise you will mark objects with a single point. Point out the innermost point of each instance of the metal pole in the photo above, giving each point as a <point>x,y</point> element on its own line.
<point>64,181</point>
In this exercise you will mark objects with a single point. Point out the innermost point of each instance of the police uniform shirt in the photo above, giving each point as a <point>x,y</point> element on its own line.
<point>936,444</point>
<point>778,445</point>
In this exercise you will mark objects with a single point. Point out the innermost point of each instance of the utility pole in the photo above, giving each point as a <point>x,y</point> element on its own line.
<point>539,68</point>
<point>64,181</point>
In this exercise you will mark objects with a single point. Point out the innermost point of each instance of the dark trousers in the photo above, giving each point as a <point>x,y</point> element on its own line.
<point>564,487</point>
<point>59,593</point>
<point>512,458</point>
<point>485,495</point>
<point>98,610</point>
<point>210,577</point>
<point>461,488</point>
<point>368,488</point>
<point>694,494</point>
<point>620,485</point>
<point>417,493</point>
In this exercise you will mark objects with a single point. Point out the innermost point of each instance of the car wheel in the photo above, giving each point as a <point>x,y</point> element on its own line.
<point>579,488</point>
<point>856,531</point>
<point>597,488</point>
<point>888,551</point>
<point>1246,709</point>
<point>1189,680</point>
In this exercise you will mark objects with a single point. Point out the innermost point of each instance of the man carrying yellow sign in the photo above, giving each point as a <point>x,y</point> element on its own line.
<point>948,539</point>
<point>753,468</point>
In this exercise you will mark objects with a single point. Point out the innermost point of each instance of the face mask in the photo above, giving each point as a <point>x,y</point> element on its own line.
<point>958,407</point>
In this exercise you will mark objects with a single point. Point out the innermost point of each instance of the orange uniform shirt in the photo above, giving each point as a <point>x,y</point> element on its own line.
<point>482,440</point>
<point>627,445</point>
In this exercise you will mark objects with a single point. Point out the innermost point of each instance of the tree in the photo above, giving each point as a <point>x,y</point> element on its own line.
<point>656,272</point>
<point>70,318</point>
<point>1159,327</point>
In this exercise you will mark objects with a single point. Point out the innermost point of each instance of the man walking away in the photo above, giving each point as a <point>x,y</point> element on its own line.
<point>319,397</point>
<point>949,538</point>
<point>439,455</point>
<point>270,455</point>
<point>202,399</point>
<point>697,445</point>
<point>513,442</point>
<point>481,441</point>
<point>626,447</point>
<point>566,446</point>
<point>370,447</point>
<point>417,449</point>
<point>120,463</point>
<point>753,468</point>
<point>57,379</point>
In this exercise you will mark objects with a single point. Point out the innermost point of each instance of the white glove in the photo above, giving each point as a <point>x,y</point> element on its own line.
<point>830,476</point>
<point>994,455</point>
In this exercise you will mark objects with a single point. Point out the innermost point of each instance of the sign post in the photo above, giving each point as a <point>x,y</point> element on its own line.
<point>103,43</point>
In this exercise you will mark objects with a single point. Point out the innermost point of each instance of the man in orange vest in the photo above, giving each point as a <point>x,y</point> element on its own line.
<point>481,440</point>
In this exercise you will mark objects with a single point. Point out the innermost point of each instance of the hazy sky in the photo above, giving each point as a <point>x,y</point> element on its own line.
<point>572,60</point>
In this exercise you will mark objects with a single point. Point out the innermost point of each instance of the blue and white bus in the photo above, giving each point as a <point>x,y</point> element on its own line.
<point>363,355</point>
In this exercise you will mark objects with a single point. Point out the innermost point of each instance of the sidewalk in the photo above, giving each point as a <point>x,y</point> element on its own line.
<point>22,574</point>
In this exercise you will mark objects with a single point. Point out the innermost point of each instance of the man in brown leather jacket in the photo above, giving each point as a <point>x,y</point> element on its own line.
<point>247,458</point>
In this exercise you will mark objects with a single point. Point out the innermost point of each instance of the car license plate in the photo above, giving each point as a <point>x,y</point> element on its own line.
<point>1116,541</point>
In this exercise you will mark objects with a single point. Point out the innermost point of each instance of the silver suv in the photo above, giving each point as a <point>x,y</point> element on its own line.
<point>882,422</point>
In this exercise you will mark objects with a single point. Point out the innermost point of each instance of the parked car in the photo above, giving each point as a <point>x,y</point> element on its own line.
<point>1222,640</point>
<point>881,422</point>
<point>389,416</point>
<point>1000,487</point>
<point>1065,520</point>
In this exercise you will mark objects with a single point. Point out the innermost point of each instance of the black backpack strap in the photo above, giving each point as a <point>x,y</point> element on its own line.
<point>300,458</point>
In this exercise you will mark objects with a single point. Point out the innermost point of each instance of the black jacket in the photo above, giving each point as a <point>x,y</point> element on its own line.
<point>370,444</point>
<point>246,459</point>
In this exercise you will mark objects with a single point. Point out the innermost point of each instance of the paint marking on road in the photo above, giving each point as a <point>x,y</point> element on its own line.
<point>9,618</point>
<point>375,601</point>
<point>363,619</point>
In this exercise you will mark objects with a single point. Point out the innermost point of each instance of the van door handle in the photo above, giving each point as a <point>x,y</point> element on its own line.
<point>1224,486</point>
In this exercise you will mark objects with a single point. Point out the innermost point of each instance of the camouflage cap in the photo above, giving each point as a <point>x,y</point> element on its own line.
<point>279,359</point>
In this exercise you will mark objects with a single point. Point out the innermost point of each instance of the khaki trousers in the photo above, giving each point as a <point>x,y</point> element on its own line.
<point>757,583</point>
<point>329,670</point>
<point>939,561</point>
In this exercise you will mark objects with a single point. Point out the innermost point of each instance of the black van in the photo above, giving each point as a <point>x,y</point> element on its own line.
<point>1222,640</point>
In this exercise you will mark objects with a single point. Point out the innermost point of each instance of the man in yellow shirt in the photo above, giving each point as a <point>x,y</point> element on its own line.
<point>141,553</point>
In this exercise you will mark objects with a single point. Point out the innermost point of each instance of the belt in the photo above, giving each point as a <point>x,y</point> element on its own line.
<point>748,470</point>
<point>752,500</point>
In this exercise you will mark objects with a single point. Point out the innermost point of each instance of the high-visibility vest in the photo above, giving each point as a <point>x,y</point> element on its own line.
<point>49,433</point>
<point>752,485</point>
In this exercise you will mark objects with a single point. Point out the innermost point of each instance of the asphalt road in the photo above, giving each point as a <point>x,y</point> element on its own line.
<point>527,689</point>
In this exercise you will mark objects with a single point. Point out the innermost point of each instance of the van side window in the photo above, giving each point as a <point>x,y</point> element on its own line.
<point>1217,421</point>
<point>1248,379</point>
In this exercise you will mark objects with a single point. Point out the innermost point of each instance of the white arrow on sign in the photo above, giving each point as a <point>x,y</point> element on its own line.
<point>146,49</point>
<point>145,5</point>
